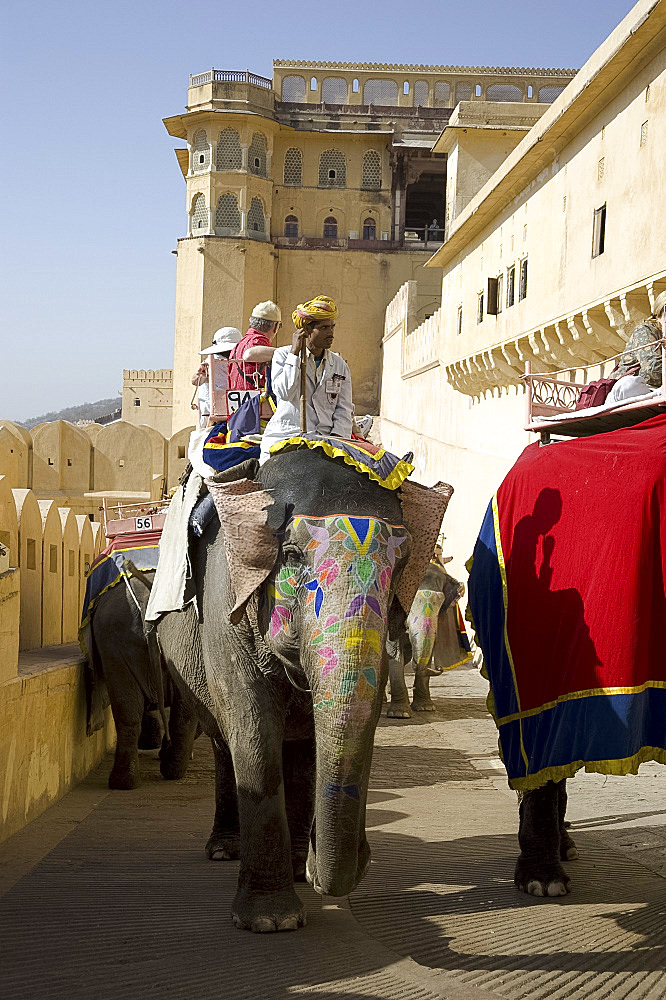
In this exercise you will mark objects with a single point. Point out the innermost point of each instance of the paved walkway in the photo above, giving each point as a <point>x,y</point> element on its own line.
<point>109,895</point>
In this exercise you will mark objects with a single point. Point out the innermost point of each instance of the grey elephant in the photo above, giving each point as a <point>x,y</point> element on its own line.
<point>296,586</point>
<point>437,594</point>
<point>126,664</point>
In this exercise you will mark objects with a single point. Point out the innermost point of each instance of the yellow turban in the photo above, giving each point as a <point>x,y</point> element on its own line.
<point>321,307</point>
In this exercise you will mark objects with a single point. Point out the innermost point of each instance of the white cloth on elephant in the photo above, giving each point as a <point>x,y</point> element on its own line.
<point>328,395</point>
<point>173,566</point>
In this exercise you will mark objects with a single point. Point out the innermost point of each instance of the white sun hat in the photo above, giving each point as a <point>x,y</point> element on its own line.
<point>224,339</point>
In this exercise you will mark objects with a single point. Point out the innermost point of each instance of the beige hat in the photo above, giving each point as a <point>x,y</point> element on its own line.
<point>267,310</point>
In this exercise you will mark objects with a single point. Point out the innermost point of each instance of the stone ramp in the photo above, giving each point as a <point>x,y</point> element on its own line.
<point>109,894</point>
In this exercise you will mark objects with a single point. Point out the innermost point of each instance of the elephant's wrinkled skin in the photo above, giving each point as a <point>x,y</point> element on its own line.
<point>544,841</point>
<point>296,686</point>
<point>418,643</point>
<point>129,666</point>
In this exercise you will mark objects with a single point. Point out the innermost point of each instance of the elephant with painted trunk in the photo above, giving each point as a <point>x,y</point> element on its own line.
<point>298,581</point>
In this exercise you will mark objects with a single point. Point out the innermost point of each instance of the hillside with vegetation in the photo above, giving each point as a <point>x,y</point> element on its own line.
<point>84,411</point>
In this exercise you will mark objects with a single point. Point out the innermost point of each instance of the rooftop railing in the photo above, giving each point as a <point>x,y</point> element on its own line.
<point>230,76</point>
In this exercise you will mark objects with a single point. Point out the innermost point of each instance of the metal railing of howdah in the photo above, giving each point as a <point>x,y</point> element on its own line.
<point>230,76</point>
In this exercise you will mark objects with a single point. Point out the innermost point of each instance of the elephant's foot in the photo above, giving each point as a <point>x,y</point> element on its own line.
<point>150,737</point>
<point>398,710</point>
<point>223,846</point>
<point>267,912</point>
<point>298,865</point>
<point>541,878</point>
<point>423,704</point>
<point>568,849</point>
<point>125,774</point>
<point>173,766</point>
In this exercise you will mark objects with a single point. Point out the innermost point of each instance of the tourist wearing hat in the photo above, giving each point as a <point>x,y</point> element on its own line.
<point>328,391</point>
<point>224,341</point>
<point>256,347</point>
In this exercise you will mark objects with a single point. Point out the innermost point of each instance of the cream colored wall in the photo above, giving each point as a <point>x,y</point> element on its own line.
<point>154,389</point>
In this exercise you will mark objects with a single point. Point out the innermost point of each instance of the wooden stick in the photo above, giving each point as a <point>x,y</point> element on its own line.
<point>304,375</point>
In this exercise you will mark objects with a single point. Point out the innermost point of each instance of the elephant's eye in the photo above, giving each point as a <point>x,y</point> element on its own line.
<point>292,553</point>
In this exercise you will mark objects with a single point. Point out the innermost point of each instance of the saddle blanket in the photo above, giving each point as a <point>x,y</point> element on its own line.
<point>378,464</point>
<point>567,595</point>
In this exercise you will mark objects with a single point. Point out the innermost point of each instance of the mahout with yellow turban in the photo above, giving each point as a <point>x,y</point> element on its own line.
<point>321,307</point>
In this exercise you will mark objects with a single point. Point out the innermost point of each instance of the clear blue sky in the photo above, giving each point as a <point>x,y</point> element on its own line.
<point>94,197</point>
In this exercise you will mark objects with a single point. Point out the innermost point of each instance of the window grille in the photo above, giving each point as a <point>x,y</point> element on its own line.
<point>199,213</point>
<point>334,90</point>
<point>256,155</point>
<point>229,155</point>
<point>504,92</point>
<point>421,93</point>
<point>644,133</point>
<point>459,321</point>
<point>380,92</point>
<point>293,89</point>
<point>291,226</point>
<point>332,169</point>
<point>601,168</point>
<point>330,228</point>
<point>369,229</point>
<point>442,95</point>
<point>510,285</point>
<point>479,308</point>
<point>255,217</point>
<point>599,231</point>
<point>463,92</point>
<point>372,170</point>
<point>200,152</point>
<point>227,216</point>
<point>548,94</point>
<point>293,167</point>
<point>522,291</point>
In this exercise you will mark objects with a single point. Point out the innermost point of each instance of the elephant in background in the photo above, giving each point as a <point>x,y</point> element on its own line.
<point>437,595</point>
<point>297,586</point>
<point>129,664</point>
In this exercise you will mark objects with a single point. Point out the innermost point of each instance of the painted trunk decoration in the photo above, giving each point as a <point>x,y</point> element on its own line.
<point>335,603</point>
<point>422,625</point>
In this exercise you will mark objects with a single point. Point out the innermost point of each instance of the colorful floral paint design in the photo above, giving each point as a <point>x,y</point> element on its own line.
<point>422,624</point>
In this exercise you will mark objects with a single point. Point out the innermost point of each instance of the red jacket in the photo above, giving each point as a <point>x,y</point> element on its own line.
<point>240,376</point>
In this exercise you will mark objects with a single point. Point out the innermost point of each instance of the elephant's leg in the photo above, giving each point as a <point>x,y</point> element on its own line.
<point>538,869</point>
<point>127,705</point>
<point>421,700</point>
<point>398,707</point>
<point>265,899</point>
<point>568,849</point>
<point>224,841</point>
<point>150,737</point>
<point>298,768</point>
<point>177,752</point>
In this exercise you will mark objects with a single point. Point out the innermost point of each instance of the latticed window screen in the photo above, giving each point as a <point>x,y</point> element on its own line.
<point>332,169</point>
<point>504,92</point>
<point>200,152</point>
<point>227,215</point>
<point>421,92</point>
<point>293,167</point>
<point>330,228</point>
<point>372,170</point>
<point>199,213</point>
<point>256,155</point>
<point>293,89</point>
<point>380,92</point>
<point>291,226</point>
<point>229,155</point>
<point>255,217</point>
<point>442,95</point>
<point>548,94</point>
<point>334,90</point>
<point>463,92</point>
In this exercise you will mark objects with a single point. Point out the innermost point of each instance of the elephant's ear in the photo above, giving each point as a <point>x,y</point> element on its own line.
<point>423,508</point>
<point>249,542</point>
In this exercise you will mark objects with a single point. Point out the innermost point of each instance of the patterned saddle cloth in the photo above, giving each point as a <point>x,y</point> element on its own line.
<point>380,465</point>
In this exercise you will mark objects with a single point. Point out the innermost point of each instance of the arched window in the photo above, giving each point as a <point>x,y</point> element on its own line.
<point>313,83</point>
<point>463,92</point>
<point>293,89</point>
<point>372,170</point>
<point>369,229</point>
<point>200,152</point>
<point>334,90</point>
<point>255,217</point>
<point>330,228</point>
<point>504,92</point>
<point>199,213</point>
<point>332,169</point>
<point>380,92</point>
<point>229,155</point>
<point>293,167</point>
<point>421,92</point>
<point>291,226</point>
<point>227,216</point>
<point>256,155</point>
<point>548,94</point>
<point>442,95</point>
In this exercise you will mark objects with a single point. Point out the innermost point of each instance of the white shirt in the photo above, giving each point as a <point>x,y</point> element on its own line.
<point>328,396</point>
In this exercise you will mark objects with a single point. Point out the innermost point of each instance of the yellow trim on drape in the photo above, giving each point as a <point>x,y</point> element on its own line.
<point>391,482</point>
